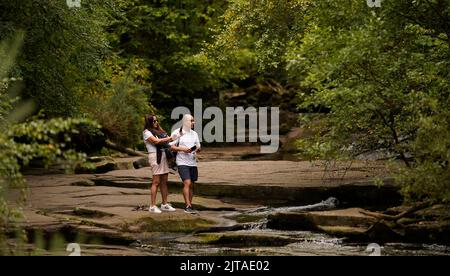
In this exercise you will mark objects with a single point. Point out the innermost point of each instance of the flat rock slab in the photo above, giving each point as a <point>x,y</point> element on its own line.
<point>276,182</point>
<point>53,201</point>
<point>273,173</point>
<point>287,173</point>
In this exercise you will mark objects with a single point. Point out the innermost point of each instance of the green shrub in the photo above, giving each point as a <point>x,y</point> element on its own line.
<point>22,142</point>
<point>121,112</point>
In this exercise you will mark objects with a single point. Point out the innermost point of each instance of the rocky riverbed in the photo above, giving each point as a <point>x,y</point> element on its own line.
<point>245,208</point>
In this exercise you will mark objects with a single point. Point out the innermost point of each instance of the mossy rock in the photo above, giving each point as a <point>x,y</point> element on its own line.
<point>170,225</point>
<point>242,218</point>
<point>245,240</point>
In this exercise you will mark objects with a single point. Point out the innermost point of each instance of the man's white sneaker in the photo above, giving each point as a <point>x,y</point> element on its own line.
<point>154,209</point>
<point>167,207</point>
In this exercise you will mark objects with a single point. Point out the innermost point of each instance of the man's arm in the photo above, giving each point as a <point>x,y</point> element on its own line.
<point>197,143</point>
<point>175,142</point>
<point>180,149</point>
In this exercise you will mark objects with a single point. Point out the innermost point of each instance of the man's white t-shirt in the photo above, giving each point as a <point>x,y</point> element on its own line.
<point>189,139</point>
<point>150,146</point>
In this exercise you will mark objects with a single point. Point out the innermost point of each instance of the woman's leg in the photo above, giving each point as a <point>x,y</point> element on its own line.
<point>187,192</point>
<point>164,188</point>
<point>156,180</point>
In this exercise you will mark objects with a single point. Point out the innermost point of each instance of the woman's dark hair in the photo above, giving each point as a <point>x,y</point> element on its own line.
<point>149,120</point>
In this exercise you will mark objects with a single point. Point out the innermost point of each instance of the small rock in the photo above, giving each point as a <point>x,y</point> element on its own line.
<point>100,167</point>
<point>141,163</point>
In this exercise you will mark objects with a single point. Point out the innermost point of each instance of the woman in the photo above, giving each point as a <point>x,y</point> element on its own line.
<point>155,138</point>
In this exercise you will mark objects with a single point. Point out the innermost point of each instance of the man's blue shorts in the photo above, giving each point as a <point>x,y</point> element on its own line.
<point>188,172</point>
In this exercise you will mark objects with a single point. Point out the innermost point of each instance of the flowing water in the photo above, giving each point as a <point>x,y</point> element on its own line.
<point>298,243</point>
<point>309,244</point>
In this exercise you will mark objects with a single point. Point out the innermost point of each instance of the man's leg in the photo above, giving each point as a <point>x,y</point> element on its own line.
<point>194,176</point>
<point>187,192</point>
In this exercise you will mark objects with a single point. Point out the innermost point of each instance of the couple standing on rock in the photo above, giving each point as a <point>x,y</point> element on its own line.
<point>185,142</point>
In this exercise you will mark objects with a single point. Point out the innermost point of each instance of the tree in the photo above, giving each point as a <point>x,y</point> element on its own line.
<point>48,140</point>
<point>368,79</point>
<point>62,52</point>
<point>262,29</point>
<point>382,75</point>
<point>166,38</point>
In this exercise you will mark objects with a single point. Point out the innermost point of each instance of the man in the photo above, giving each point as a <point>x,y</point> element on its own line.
<point>187,146</point>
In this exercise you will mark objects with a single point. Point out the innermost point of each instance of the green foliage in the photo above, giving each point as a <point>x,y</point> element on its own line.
<point>381,79</point>
<point>121,110</point>
<point>248,54</point>
<point>68,67</point>
<point>9,168</point>
<point>49,140</point>
<point>43,141</point>
<point>62,49</point>
<point>368,79</point>
<point>8,52</point>
<point>429,178</point>
<point>20,143</point>
<point>167,37</point>
<point>263,28</point>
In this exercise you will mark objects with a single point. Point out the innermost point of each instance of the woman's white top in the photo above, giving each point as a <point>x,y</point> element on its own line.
<point>150,146</point>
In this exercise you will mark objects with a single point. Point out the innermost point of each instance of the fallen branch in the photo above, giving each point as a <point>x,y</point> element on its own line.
<point>395,218</point>
<point>128,151</point>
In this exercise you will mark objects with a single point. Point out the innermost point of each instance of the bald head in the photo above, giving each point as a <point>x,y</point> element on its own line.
<point>188,122</point>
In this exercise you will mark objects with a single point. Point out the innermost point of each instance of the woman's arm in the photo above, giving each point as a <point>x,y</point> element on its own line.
<point>156,141</point>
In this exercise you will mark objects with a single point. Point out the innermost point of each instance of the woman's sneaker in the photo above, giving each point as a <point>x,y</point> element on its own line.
<point>189,210</point>
<point>154,209</point>
<point>167,208</point>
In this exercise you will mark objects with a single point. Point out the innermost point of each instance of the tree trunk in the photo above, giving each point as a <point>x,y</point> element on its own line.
<point>129,151</point>
<point>395,218</point>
